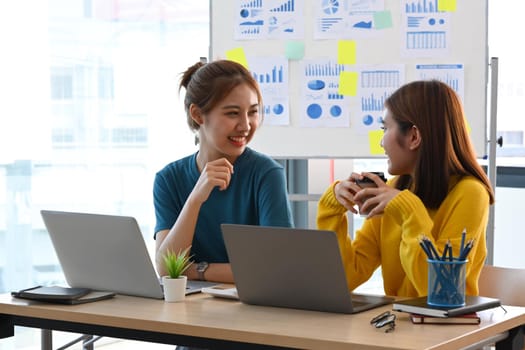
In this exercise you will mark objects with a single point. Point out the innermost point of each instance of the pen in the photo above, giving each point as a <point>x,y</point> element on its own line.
<point>425,249</point>
<point>431,248</point>
<point>450,253</point>
<point>445,251</point>
<point>467,249</point>
<point>462,246</point>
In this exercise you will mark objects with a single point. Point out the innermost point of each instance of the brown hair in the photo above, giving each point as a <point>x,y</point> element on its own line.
<point>207,84</point>
<point>446,150</point>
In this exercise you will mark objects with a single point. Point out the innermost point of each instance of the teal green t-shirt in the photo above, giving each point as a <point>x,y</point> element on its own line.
<point>257,195</point>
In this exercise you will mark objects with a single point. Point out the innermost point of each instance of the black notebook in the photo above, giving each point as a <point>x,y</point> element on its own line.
<point>62,295</point>
<point>419,306</point>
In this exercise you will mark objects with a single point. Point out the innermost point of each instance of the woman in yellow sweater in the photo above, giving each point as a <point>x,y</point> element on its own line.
<point>438,190</point>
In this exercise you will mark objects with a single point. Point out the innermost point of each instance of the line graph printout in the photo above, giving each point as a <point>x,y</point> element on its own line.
<point>451,74</point>
<point>336,19</point>
<point>426,31</point>
<point>376,83</point>
<point>322,105</point>
<point>272,75</point>
<point>269,19</point>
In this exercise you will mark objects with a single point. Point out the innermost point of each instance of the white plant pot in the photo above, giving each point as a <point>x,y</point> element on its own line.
<point>174,288</point>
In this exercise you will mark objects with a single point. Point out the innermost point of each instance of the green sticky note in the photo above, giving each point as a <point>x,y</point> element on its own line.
<point>374,141</point>
<point>447,5</point>
<point>237,55</point>
<point>346,52</point>
<point>382,19</point>
<point>294,50</point>
<point>348,83</point>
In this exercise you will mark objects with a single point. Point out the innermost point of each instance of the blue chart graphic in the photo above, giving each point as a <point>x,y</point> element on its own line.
<point>324,81</point>
<point>335,96</point>
<point>373,102</point>
<point>328,69</point>
<point>421,6</point>
<point>249,12</point>
<point>314,111</point>
<point>414,21</point>
<point>368,119</point>
<point>417,21</point>
<point>380,79</point>
<point>288,6</point>
<point>426,40</point>
<point>274,76</point>
<point>330,6</point>
<point>252,4</point>
<point>450,80</point>
<point>276,110</point>
<point>326,23</point>
<point>336,111</point>
<point>251,31</point>
<point>363,24</point>
<point>447,73</point>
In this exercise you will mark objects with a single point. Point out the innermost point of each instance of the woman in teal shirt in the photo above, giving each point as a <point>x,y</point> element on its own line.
<point>225,181</point>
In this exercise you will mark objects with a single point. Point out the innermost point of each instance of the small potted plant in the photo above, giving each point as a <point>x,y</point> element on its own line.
<point>175,282</point>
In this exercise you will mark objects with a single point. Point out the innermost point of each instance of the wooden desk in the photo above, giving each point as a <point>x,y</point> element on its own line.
<point>204,321</point>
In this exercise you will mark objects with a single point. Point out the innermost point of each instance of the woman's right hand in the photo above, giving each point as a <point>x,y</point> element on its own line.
<point>345,191</point>
<point>216,173</point>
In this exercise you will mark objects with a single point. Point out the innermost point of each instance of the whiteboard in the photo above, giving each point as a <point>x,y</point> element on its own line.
<point>466,45</point>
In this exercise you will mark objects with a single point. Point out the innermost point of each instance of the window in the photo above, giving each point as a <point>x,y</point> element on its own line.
<point>94,112</point>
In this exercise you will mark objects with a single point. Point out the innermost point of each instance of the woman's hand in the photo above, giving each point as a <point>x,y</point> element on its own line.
<point>345,192</point>
<point>216,173</point>
<point>373,200</point>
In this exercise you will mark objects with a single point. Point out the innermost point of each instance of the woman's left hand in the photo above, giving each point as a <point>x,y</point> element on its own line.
<point>375,199</point>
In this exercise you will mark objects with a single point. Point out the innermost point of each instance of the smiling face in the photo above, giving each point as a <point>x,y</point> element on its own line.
<point>229,126</point>
<point>401,150</point>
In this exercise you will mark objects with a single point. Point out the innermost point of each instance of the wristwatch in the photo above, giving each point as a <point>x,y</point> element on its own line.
<point>201,268</point>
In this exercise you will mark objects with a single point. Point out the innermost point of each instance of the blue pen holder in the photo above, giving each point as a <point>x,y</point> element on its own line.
<point>446,283</point>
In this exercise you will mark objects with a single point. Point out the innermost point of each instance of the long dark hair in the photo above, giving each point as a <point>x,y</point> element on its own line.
<point>207,84</point>
<point>446,149</point>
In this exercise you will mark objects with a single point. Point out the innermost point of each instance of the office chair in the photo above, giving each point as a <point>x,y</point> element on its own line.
<point>506,284</point>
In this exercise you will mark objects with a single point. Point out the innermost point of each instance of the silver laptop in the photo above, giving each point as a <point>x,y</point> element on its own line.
<point>106,253</point>
<point>291,267</point>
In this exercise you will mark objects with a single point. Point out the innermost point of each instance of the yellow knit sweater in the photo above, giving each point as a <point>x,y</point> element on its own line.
<point>391,240</point>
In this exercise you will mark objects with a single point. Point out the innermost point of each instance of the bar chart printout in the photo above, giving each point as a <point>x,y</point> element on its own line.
<point>426,30</point>
<point>375,86</point>
<point>451,74</point>
<point>272,75</point>
<point>269,19</point>
<point>322,104</point>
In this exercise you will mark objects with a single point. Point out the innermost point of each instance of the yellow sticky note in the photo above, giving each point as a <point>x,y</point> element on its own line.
<point>374,141</point>
<point>469,129</point>
<point>447,5</point>
<point>237,55</point>
<point>346,52</point>
<point>348,83</point>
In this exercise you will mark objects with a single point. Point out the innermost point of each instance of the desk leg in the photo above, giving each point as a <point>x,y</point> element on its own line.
<point>87,344</point>
<point>46,339</point>
<point>514,341</point>
<point>7,327</point>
